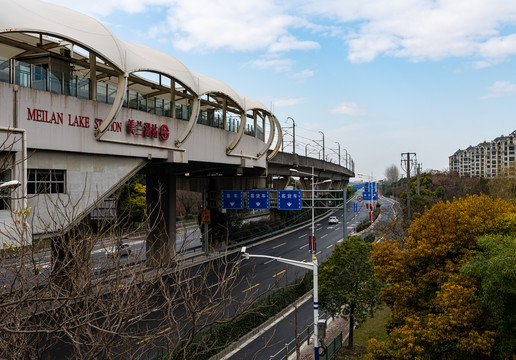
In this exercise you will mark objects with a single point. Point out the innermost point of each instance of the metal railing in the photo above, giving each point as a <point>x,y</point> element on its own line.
<point>328,352</point>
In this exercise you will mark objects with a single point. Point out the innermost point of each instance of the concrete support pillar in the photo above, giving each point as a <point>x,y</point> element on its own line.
<point>323,186</point>
<point>306,184</point>
<point>93,76</point>
<point>172,98</point>
<point>280,183</point>
<point>161,209</point>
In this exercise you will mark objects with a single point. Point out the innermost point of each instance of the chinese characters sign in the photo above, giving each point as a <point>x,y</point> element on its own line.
<point>232,199</point>
<point>145,129</point>
<point>258,199</point>
<point>289,199</point>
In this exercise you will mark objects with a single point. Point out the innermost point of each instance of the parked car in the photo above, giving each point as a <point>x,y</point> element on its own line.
<point>118,251</point>
<point>333,220</point>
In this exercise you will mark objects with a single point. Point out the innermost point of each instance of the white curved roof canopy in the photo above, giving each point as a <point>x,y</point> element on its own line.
<point>252,104</point>
<point>143,58</point>
<point>33,16</point>
<point>209,85</point>
<point>41,17</point>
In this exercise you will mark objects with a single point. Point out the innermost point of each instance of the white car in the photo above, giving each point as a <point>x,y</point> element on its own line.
<point>117,251</point>
<point>333,220</point>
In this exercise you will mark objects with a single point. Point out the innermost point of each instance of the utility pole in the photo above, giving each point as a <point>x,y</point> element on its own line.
<point>418,183</point>
<point>407,162</point>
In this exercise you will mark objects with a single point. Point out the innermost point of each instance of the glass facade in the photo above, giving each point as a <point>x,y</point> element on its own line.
<point>60,77</point>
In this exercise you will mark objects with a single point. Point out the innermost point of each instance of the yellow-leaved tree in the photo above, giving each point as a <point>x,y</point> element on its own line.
<point>435,309</point>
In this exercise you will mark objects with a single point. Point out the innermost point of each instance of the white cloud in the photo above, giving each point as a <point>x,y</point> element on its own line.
<point>500,88</point>
<point>289,42</point>
<point>414,29</point>
<point>422,30</point>
<point>276,64</point>
<point>348,108</point>
<point>243,25</point>
<point>304,74</point>
<point>286,102</point>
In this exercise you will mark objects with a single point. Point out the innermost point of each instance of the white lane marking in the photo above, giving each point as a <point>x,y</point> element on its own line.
<point>277,246</point>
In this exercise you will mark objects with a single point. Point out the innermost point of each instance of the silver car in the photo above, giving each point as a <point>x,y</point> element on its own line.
<point>333,220</point>
<point>117,251</point>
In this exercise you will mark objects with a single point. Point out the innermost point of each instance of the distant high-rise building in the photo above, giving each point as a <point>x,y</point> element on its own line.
<point>485,159</point>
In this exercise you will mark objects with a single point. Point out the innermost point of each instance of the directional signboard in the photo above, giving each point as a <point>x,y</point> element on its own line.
<point>367,196</point>
<point>258,199</point>
<point>289,199</point>
<point>370,187</point>
<point>358,186</point>
<point>355,207</point>
<point>232,199</point>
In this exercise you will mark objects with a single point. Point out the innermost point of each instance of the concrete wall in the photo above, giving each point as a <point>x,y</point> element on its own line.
<point>60,135</point>
<point>65,123</point>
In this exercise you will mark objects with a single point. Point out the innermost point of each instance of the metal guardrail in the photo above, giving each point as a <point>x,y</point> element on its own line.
<point>332,348</point>
<point>329,351</point>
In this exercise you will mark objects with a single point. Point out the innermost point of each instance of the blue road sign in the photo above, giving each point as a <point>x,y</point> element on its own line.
<point>355,207</point>
<point>289,199</point>
<point>367,196</point>
<point>358,186</point>
<point>232,199</point>
<point>258,199</point>
<point>370,187</point>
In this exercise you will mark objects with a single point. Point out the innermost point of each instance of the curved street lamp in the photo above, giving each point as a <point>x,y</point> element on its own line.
<point>314,265</point>
<point>13,184</point>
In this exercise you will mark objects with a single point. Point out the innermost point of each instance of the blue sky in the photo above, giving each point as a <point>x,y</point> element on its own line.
<point>379,77</point>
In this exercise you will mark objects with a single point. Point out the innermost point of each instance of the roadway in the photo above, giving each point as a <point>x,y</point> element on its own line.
<point>294,245</point>
<point>258,276</point>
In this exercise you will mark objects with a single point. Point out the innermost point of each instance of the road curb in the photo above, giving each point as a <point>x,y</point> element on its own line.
<point>235,346</point>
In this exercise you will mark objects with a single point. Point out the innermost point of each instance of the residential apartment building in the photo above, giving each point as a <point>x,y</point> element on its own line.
<point>485,159</point>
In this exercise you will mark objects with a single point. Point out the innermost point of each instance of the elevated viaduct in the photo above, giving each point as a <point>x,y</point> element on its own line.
<point>83,111</point>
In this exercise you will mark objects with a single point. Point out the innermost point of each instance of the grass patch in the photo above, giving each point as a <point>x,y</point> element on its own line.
<point>372,328</point>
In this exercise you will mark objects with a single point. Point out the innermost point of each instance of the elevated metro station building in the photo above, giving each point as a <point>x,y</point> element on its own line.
<point>82,111</point>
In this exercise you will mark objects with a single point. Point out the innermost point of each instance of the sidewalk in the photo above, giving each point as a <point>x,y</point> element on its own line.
<point>333,328</point>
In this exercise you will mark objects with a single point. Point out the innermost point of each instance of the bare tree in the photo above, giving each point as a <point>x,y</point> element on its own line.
<point>86,306</point>
<point>392,174</point>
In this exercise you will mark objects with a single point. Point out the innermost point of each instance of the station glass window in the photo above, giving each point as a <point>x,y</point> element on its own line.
<point>111,93</point>
<point>83,88</point>
<point>22,73</point>
<point>132,99</point>
<point>4,69</point>
<point>44,181</point>
<point>101,92</point>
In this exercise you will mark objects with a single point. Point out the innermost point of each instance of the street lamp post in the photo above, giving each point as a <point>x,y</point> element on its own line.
<point>313,266</point>
<point>306,153</point>
<point>293,135</point>
<point>336,142</point>
<point>324,158</point>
